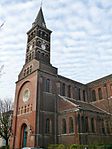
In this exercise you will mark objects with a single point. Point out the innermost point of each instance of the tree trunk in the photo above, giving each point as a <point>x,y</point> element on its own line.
<point>7,143</point>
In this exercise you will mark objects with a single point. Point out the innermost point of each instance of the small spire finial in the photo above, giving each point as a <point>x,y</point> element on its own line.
<point>41,3</point>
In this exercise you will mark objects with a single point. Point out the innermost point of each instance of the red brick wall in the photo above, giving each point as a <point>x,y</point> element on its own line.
<point>28,118</point>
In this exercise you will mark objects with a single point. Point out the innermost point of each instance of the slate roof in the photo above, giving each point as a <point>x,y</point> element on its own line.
<point>40,19</point>
<point>85,105</point>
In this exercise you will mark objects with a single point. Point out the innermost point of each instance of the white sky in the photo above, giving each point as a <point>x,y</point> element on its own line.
<point>81,45</point>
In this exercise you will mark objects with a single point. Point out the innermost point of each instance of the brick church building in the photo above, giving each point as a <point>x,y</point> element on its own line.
<point>50,108</point>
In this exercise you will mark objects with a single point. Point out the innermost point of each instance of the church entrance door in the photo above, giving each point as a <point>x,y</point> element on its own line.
<point>24,135</point>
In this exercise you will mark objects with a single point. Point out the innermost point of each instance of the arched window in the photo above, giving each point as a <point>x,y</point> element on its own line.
<point>25,109</point>
<point>43,35</point>
<point>79,94</point>
<point>63,89</point>
<point>28,108</point>
<point>27,58</point>
<point>71,125</point>
<point>107,127</point>
<point>103,127</point>
<point>84,95</point>
<point>31,107</point>
<point>37,32</point>
<point>31,35</point>
<point>30,68</point>
<point>21,110</point>
<point>82,123</point>
<point>33,54</point>
<point>47,47</point>
<point>63,126</point>
<point>39,43</point>
<point>47,89</point>
<point>27,70</point>
<point>79,123</point>
<point>40,33</point>
<point>48,126</point>
<point>86,124</point>
<point>100,93</point>
<point>47,37</point>
<point>69,91</point>
<point>93,95</point>
<point>76,92</point>
<point>24,72</point>
<point>30,57</point>
<point>92,125</point>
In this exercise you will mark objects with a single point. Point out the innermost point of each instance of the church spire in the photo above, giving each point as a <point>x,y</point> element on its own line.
<point>38,43</point>
<point>40,19</point>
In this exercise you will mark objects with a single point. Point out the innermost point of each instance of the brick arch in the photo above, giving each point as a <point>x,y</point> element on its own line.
<point>17,99</point>
<point>23,128</point>
<point>30,130</point>
<point>21,88</point>
<point>71,124</point>
<point>25,121</point>
<point>18,94</point>
<point>19,91</point>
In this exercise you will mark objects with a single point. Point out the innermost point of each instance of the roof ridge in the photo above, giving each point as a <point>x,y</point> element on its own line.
<point>64,98</point>
<point>78,102</point>
<point>100,108</point>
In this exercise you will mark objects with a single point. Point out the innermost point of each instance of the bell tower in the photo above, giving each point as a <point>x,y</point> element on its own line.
<point>38,41</point>
<point>34,122</point>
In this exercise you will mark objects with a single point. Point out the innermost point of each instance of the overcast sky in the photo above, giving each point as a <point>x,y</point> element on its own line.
<point>81,45</point>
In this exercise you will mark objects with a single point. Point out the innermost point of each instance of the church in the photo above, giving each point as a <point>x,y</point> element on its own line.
<point>52,109</point>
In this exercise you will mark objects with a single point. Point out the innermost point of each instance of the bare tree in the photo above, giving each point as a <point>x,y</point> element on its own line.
<point>5,119</point>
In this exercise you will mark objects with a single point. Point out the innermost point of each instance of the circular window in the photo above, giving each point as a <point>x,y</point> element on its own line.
<point>26,95</point>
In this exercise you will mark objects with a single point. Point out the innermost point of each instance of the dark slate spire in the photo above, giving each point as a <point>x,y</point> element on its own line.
<point>40,19</point>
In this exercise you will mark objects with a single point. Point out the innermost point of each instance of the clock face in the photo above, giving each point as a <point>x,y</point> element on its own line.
<point>30,48</point>
<point>26,95</point>
<point>43,46</point>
